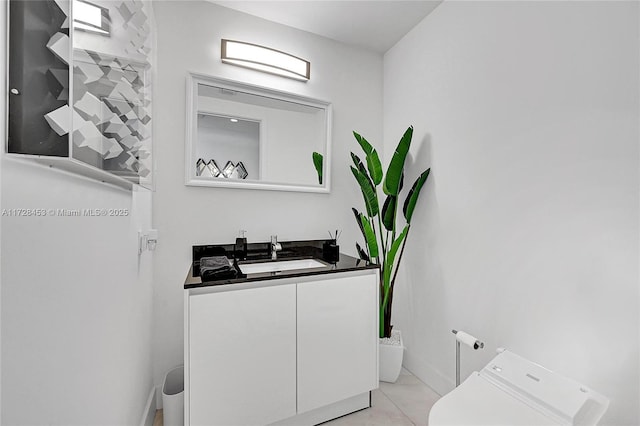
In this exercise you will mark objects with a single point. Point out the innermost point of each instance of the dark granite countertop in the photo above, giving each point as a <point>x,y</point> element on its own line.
<point>259,252</point>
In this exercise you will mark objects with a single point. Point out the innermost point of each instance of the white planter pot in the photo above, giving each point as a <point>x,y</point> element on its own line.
<point>390,361</point>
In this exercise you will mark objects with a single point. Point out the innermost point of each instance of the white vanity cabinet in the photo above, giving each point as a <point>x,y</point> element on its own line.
<point>296,351</point>
<point>337,340</point>
<point>242,354</point>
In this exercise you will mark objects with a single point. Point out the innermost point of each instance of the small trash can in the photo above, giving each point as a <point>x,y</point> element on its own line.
<point>173,397</point>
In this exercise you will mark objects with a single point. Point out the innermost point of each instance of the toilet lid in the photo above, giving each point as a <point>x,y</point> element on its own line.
<point>484,404</point>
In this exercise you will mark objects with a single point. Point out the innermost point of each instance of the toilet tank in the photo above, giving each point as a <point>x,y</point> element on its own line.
<point>562,399</point>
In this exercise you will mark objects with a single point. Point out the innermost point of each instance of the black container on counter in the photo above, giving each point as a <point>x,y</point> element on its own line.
<point>331,251</point>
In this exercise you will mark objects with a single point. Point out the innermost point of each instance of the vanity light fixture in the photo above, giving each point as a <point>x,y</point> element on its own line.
<point>90,17</point>
<point>265,59</point>
<point>233,120</point>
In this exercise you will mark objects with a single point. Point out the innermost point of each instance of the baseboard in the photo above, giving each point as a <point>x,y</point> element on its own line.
<point>149,413</point>
<point>329,412</point>
<point>428,374</point>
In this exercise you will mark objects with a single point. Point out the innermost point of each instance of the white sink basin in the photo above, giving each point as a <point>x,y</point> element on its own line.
<point>280,265</point>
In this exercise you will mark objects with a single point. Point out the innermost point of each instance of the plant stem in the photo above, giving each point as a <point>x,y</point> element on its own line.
<point>406,237</point>
<point>386,328</point>
<point>382,242</point>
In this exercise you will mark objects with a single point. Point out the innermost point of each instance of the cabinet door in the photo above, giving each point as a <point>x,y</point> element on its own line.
<point>38,77</point>
<point>242,356</point>
<point>337,340</point>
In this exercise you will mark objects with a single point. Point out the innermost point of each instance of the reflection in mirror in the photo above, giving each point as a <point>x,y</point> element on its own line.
<point>234,140</point>
<point>245,136</point>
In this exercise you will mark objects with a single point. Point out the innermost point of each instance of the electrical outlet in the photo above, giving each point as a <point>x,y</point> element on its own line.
<point>147,240</point>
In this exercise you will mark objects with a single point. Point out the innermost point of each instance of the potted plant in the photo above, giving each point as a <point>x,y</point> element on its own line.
<point>383,234</point>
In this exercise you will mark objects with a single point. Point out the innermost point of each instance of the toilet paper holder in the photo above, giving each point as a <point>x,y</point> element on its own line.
<point>469,340</point>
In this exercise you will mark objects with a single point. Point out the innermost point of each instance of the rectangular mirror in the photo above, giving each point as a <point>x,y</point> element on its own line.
<point>250,137</point>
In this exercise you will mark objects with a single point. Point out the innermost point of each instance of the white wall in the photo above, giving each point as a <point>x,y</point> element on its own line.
<point>76,300</point>
<point>527,233</point>
<point>189,36</point>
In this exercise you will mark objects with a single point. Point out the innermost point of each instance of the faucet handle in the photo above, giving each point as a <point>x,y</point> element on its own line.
<point>275,247</point>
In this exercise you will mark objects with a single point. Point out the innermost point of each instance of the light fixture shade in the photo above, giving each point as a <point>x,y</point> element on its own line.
<point>265,59</point>
<point>91,17</point>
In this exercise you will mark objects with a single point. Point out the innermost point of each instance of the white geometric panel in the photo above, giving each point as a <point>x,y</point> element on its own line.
<point>114,124</point>
<point>64,6</point>
<point>144,132</point>
<point>88,135</point>
<point>89,107</point>
<point>118,106</point>
<point>131,115</point>
<point>114,74</point>
<point>121,131</point>
<point>129,141</point>
<point>113,148</point>
<point>91,71</point>
<point>59,45</point>
<point>125,90</point>
<point>125,12</point>
<point>143,153</point>
<point>59,120</point>
<point>80,55</point>
<point>135,125</point>
<point>130,161</point>
<point>117,128</point>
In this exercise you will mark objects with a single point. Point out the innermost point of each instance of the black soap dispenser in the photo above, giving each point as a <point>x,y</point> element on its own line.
<point>240,249</point>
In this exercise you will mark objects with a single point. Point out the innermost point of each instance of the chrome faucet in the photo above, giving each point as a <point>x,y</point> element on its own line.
<point>275,247</point>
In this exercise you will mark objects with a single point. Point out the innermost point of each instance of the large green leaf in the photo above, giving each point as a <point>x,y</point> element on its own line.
<point>375,167</point>
<point>391,184</point>
<point>389,209</point>
<point>360,166</point>
<point>388,265</point>
<point>370,236</point>
<point>373,159</point>
<point>317,162</point>
<point>366,146</point>
<point>389,212</point>
<point>368,192</point>
<point>356,213</point>
<point>356,161</point>
<point>363,254</point>
<point>412,196</point>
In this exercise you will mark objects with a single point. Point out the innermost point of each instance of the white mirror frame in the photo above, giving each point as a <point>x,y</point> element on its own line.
<point>191,125</point>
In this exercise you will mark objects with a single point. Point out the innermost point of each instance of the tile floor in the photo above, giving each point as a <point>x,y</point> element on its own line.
<point>404,403</point>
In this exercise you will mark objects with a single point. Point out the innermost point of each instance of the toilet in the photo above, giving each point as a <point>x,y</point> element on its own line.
<point>512,391</point>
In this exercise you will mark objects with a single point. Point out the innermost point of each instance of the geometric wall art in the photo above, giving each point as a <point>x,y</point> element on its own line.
<point>82,89</point>
<point>231,170</point>
<point>113,127</point>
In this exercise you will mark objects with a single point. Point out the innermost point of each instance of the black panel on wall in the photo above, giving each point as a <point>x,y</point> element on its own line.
<point>39,76</point>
